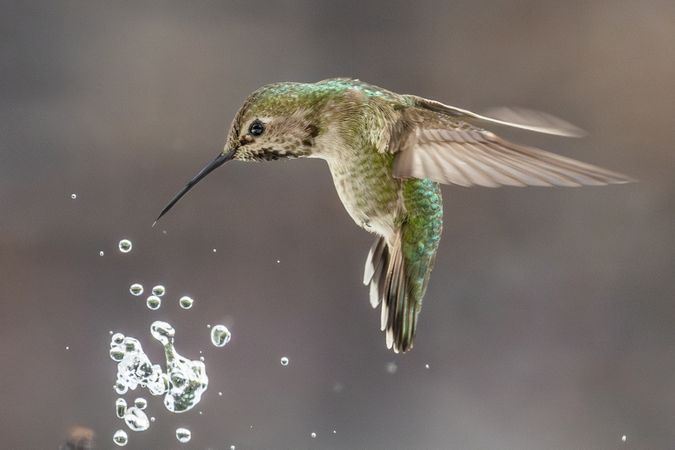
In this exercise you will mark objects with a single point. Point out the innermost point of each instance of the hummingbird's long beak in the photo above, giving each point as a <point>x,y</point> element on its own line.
<point>221,159</point>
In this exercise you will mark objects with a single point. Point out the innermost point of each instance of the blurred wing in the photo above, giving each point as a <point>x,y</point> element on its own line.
<point>475,157</point>
<point>522,118</point>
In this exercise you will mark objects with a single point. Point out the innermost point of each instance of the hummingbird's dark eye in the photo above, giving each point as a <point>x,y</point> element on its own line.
<point>256,128</point>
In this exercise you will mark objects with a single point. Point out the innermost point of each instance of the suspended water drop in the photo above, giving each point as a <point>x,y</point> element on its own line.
<point>101,253</point>
<point>220,393</point>
<point>214,250</point>
<point>152,419</point>
<point>426,366</point>
<point>121,388</point>
<point>232,447</point>
<point>120,407</point>
<point>162,331</point>
<point>153,302</point>
<point>120,438</point>
<point>201,358</point>
<point>220,335</point>
<point>73,196</point>
<point>158,290</point>
<point>125,245</point>
<point>623,438</point>
<point>334,432</point>
<point>391,368</point>
<point>116,339</point>
<point>284,361</point>
<point>67,347</point>
<point>183,435</point>
<point>313,434</point>
<point>136,419</point>
<point>140,403</point>
<point>136,289</point>
<point>278,261</point>
<point>185,302</point>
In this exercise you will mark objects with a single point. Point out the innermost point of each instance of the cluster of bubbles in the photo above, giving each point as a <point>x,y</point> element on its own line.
<point>154,301</point>
<point>182,385</point>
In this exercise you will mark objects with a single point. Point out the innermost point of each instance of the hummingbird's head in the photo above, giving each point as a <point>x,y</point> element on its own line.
<point>278,121</point>
<point>275,122</point>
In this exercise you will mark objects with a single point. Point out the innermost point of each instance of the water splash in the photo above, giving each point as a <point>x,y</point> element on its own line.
<point>220,335</point>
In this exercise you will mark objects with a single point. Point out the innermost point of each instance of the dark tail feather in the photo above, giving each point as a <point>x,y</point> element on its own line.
<point>389,284</point>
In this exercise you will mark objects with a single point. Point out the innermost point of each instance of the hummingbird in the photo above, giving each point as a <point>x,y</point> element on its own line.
<point>387,154</point>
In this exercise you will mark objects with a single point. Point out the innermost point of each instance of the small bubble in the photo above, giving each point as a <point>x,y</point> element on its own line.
<point>136,289</point>
<point>284,361</point>
<point>153,302</point>
<point>208,325</point>
<point>101,253</point>
<point>116,339</point>
<point>110,332</point>
<point>73,196</point>
<point>121,388</point>
<point>158,290</point>
<point>623,438</point>
<point>334,432</point>
<point>125,245</point>
<point>201,358</point>
<point>220,335</point>
<point>120,407</point>
<point>120,438</point>
<point>220,393</point>
<point>201,413</point>
<point>214,250</point>
<point>183,435</point>
<point>185,302</point>
<point>67,347</point>
<point>136,419</point>
<point>313,434</point>
<point>391,368</point>
<point>140,403</point>
<point>278,261</point>
<point>232,447</point>
<point>152,419</point>
<point>426,366</point>
<point>163,231</point>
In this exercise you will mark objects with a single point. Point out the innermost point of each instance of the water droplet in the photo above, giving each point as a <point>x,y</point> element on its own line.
<point>391,368</point>
<point>185,302</point>
<point>158,290</point>
<point>183,435</point>
<point>623,438</point>
<point>232,447</point>
<point>208,325</point>
<point>284,361</point>
<point>201,358</point>
<point>426,366</point>
<point>120,407</point>
<point>136,289</point>
<point>278,261</point>
<point>101,253</point>
<point>121,388</point>
<point>201,413</point>
<point>220,335</point>
<point>153,302</point>
<point>163,332</point>
<point>73,196</point>
<point>214,250</point>
<point>140,403</point>
<point>67,347</point>
<point>220,393</point>
<point>152,419</point>
<point>120,438</point>
<point>125,245</point>
<point>116,339</point>
<point>136,419</point>
<point>313,434</point>
<point>116,354</point>
<point>334,432</point>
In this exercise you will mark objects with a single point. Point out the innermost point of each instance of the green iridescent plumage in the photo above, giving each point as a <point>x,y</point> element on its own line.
<point>387,153</point>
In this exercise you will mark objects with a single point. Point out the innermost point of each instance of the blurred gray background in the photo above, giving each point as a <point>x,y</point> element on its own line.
<point>549,320</point>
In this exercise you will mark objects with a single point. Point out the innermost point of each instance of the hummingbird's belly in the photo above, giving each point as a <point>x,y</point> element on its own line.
<point>368,191</point>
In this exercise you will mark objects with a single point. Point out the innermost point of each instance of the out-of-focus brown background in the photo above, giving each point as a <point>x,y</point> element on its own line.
<point>549,322</point>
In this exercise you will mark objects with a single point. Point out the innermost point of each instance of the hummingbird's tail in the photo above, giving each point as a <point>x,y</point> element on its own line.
<point>394,282</point>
